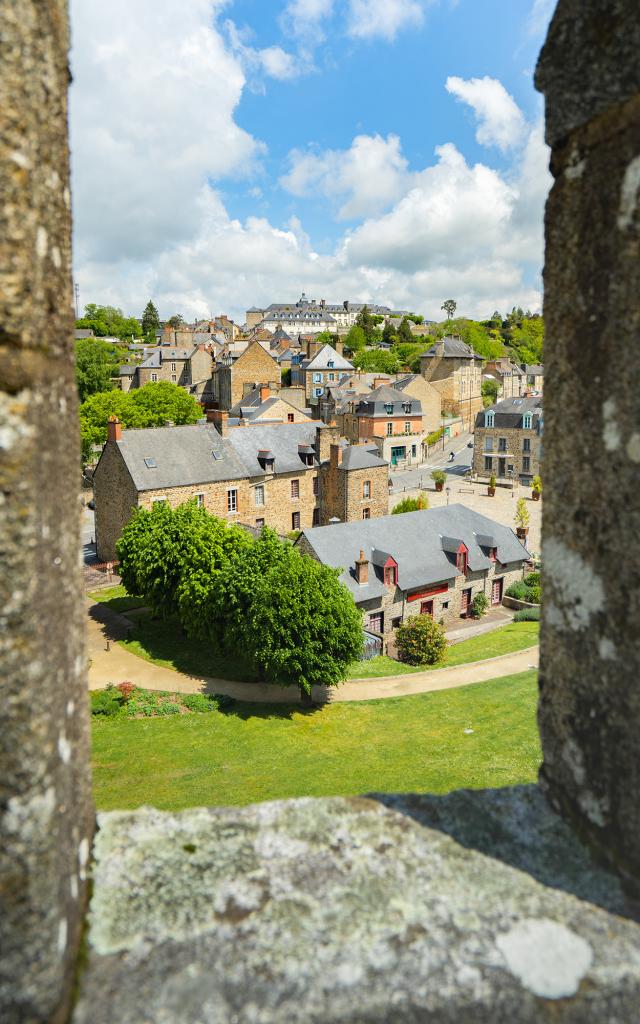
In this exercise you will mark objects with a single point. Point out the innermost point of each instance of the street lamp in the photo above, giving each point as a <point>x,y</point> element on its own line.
<point>448,490</point>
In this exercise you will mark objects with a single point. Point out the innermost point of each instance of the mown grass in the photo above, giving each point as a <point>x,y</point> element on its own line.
<point>258,752</point>
<point>116,598</point>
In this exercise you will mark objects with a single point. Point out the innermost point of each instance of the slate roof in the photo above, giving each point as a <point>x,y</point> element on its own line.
<point>375,404</point>
<point>159,355</point>
<point>82,332</point>
<point>320,361</point>
<point>509,412</point>
<point>127,371</point>
<point>183,455</point>
<point>536,369</point>
<point>415,541</point>
<point>356,456</point>
<point>282,439</point>
<point>454,348</point>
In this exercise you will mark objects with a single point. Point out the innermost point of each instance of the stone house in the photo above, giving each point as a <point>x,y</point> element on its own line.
<point>415,386</point>
<point>534,374</point>
<point>187,367</point>
<point>456,371</point>
<point>236,377</point>
<point>319,372</point>
<point>431,562</point>
<point>391,420</point>
<point>508,440</point>
<point>288,476</point>
<point>510,377</point>
<point>260,406</point>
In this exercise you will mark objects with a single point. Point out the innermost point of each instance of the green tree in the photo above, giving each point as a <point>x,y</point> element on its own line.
<point>421,641</point>
<point>449,306</point>
<point>411,505</point>
<point>150,319</point>
<point>404,332</point>
<point>377,361</point>
<point>150,406</point>
<point>108,321</point>
<point>96,364</point>
<point>355,340</point>
<point>489,390</point>
<point>304,626</point>
<point>367,322</point>
<point>174,321</point>
<point>163,549</point>
<point>388,333</point>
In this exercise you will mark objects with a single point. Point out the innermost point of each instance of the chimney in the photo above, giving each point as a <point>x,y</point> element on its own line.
<point>326,435</point>
<point>379,381</point>
<point>265,392</point>
<point>220,418</point>
<point>336,452</point>
<point>114,429</point>
<point>440,348</point>
<point>362,569</point>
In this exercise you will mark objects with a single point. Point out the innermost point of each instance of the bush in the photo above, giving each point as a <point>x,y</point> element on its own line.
<point>200,702</point>
<point>479,606</point>
<point>411,505</point>
<point>106,702</point>
<point>438,476</point>
<point>421,641</point>
<point>125,689</point>
<point>518,590</point>
<point>534,595</point>
<point>527,615</point>
<point>435,436</point>
<point>533,579</point>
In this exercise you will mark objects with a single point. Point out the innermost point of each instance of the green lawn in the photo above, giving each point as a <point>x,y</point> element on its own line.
<point>117,598</point>
<point>256,753</point>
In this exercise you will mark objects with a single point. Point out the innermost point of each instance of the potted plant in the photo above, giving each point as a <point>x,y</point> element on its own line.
<point>536,488</point>
<point>521,519</point>
<point>439,479</point>
<point>491,489</point>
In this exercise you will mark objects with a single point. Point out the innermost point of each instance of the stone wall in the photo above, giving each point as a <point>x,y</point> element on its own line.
<point>254,366</point>
<point>589,711</point>
<point>515,451</point>
<point>342,492</point>
<point>46,819</point>
<point>115,498</point>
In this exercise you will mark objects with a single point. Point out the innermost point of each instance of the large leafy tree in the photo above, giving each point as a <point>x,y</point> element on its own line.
<point>449,306</point>
<point>489,389</point>
<point>304,628</point>
<point>367,322</point>
<point>150,406</point>
<point>355,339</point>
<point>108,321</point>
<point>388,333</point>
<point>164,550</point>
<point>150,319</point>
<point>96,364</point>
<point>377,361</point>
<point>404,331</point>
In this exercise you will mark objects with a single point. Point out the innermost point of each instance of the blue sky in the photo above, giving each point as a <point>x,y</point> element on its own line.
<point>234,153</point>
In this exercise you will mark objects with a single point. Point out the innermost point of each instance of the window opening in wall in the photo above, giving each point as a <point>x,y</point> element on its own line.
<point>315,486</point>
<point>488,463</point>
<point>173,367</point>
<point>489,418</point>
<point>502,444</point>
<point>295,520</point>
<point>200,500</point>
<point>389,429</point>
<point>290,417</point>
<point>260,523</point>
<point>259,494</point>
<point>232,500</point>
<point>526,464</point>
<point>426,608</point>
<point>407,427</point>
<point>461,561</point>
<point>376,622</point>
<point>154,377</point>
<point>173,378</point>
<point>391,575</point>
<point>366,489</point>
<point>526,444</point>
<point>295,489</point>
<point>366,513</point>
<point>315,519</point>
<point>526,421</point>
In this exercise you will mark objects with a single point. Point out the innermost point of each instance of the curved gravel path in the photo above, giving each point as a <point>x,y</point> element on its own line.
<point>118,664</point>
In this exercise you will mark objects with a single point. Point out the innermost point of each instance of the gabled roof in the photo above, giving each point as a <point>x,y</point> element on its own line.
<point>509,412</point>
<point>454,348</point>
<point>157,356</point>
<point>182,455</point>
<point>375,404</point>
<point>281,439</point>
<point>415,542</point>
<point>327,354</point>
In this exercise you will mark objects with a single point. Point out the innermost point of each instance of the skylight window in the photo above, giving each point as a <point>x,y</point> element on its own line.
<point>151,463</point>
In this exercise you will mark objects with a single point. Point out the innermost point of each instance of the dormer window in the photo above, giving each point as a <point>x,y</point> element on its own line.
<point>391,575</point>
<point>489,419</point>
<point>461,562</point>
<point>389,408</point>
<point>330,363</point>
<point>406,406</point>
<point>493,554</point>
<point>526,421</point>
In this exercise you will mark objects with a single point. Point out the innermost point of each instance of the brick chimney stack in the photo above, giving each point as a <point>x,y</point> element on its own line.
<point>336,452</point>
<point>362,569</point>
<point>221,419</point>
<point>114,429</point>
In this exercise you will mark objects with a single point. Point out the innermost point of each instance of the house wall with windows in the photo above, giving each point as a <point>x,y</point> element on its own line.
<point>508,440</point>
<point>235,378</point>
<point>348,494</point>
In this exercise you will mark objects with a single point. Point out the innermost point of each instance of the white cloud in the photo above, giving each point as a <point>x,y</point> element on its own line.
<point>152,120</point>
<point>303,19</point>
<point>367,19</point>
<point>540,16</point>
<point>500,121</point>
<point>366,178</point>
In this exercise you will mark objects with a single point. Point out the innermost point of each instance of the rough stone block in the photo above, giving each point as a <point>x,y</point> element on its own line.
<point>347,910</point>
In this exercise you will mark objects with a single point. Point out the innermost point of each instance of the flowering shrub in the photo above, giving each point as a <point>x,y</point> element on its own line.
<point>126,689</point>
<point>421,641</point>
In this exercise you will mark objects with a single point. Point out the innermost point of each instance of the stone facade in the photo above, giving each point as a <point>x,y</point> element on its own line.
<point>235,378</point>
<point>429,396</point>
<point>500,450</point>
<point>459,380</point>
<point>510,378</point>
<point>351,494</point>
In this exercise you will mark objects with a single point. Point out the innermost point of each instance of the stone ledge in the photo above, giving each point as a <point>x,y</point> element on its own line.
<point>356,909</point>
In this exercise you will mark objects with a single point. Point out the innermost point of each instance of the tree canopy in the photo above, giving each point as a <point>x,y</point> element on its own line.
<point>404,331</point>
<point>355,340</point>
<point>149,406</point>
<point>108,321</point>
<point>150,319</point>
<point>368,323</point>
<point>449,306</point>
<point>377,361</point>
<point>96,363</point>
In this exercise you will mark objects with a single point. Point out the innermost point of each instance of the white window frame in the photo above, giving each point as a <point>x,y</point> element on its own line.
<point>366,489</point>
<point>489,419</point>
<point>527,421</point>
<point>317,378</point>
<point>258,496</point>
<point>318,392</point>
<point>154,378</point>
<point>200,496</point>
<point>173,367</point>
<point>389,429</point>
<point>407,427</point>
<point>232,502</point>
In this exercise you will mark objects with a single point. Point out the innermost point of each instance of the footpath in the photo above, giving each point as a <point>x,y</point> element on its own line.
<point>116,664</point>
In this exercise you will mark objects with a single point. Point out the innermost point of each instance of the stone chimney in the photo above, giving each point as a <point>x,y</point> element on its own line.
<point>336,453</point>
<point>114,429</point>
<point>220,417</point>
<point>326,435</point>
<point>362,569</point>
<point>439,347</point>
<point>265,392</point>
<point>379,381</point>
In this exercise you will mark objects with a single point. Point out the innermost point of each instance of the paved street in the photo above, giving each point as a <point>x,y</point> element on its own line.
<point>459,490</point>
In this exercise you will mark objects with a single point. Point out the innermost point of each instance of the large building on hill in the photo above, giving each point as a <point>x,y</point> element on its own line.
<point>289,476</point>
<point>431,562</point>
<point>306,314</point>
<point>508,440</point>
<point>456,371</point>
